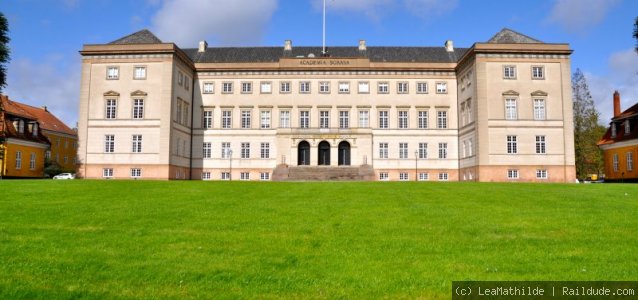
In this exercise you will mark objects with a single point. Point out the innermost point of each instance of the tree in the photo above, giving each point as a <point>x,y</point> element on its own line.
<point>587,131</point>
<point>4,50</point>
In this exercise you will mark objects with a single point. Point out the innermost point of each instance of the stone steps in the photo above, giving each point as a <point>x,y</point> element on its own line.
<point>323,173</point>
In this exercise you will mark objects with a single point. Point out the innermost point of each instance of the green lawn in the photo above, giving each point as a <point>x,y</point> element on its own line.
<point>140,239</point>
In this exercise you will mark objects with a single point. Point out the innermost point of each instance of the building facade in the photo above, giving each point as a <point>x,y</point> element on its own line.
<point>620,144</point>
<point>497,111</point>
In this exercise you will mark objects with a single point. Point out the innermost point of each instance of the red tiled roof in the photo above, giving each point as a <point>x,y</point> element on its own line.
<point>11,108</point>
<point>47,120</point>
<point>630,114</point>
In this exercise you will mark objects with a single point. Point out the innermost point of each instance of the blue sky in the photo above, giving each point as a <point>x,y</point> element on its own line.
<point>47,34</point>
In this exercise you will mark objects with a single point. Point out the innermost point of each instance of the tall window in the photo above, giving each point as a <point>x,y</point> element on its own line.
<point>208,119</point>
<point>403,119</point>
<point>403,150</point>
<point>441,88</point>
<point>284,87</point>
<point>423,119</point>
<point>344,87</point>
<point>538,72</point>
<point>304,87</point>
<point>185,119</point>
<point>137,143</point>
<point>111,108</point>
<point>265,150</point>
<point>227,87</point>
<point>140,73</point>
<point>539,109</point>
<point>423,150</point>
<point>383,119</point>
<point>615,162</point>
<point>344,119</point>
<point>265,119</point>
<point>284,119</point>
<point>442,150</point>
<point>227,119</point>
<point>324,87</point>
<point>266,87</point>
<point>510,109</point>
<point>422,87</point>
<point>207,150</point>
<point>109,143</point>
<point>246,87</point>
<point>32,162</point>
<point>112,73</point>
<point>138,108</point>
<point>18,160</point>
<point>441,119</point>
<point>509,72</point>
<point>511,144</point>
<point>402,87</point>
<point>613,130</point>
<point>304,119</point>
<point>383,150</point>
<point>540,144</point>
<point>225,150</point>
<point>630,161</point>
<point>364,119</point>
<point>382,87</point>
<point>178,112</point>
<point>245,119</point>
<point>209,87</point>
<point>627,127</point>
<point>324,119</point>
<point>245,150</point>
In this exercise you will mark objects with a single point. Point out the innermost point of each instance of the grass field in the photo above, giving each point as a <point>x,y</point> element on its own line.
<point>229,240</point>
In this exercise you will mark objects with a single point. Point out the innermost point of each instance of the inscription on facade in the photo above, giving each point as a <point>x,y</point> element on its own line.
<point>324,62</point>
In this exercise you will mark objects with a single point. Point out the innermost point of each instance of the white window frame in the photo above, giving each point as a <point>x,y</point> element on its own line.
<point>627,127</point>
<point>423,150</point>
<point>244,176</point>
<point>443,176</point>
<point>225,176</point>
<point>383,176</point>
<point>403,119</point>
<point>423,119</point>
<point>364,119</point>
<point>265,150</point>
<point>384,119</point>
<point>227,87</point>
<point>136,143</point>
<point>110,110</point>
<point>441,119</point>
<point>539,109</point>
<point>403,87</point>
<point>324,119</point>
<point>512,174</point>
<point>344,119</point>
<point>18,160</point>
<point>138,108</point>
<point>207,119</point>
<point>442,150</point>
<point>226,150</point>
<point>304,119</point>
<point>284,119</point>
<point>512,144</point>
<point>246,119</point>
<point>364,87</point>
<point>538,72</point>
<point>208,88</point>
<point>227,119</point>
<point>441,87</point>
<point>509,72</point>
<point>541,174</point>
<point>424,176</point>
<point>422,87</point>
<point>403,151</point>
<point>207,150</point>
<point>630,161</point>
<point>383,87</point>
<point>383,150</point>
<point>107,173</point>
<point>264,176</point>
<point>246,87</point>
<point>206,176</point>
<point>404,176</point>
<point>139,72</point>
<point>265,87</point>
<point>304,87</point>
<point>541,146</point>
<point>32,161</point>
<point>344,87</point>
<point>511,109</point>
<point>112,73</point>
<point>245,150</point>
<point>264,119</point>
<point>284,87</point>
<point>136,172</point>
<point>109,143</point>
<point>324,87</point>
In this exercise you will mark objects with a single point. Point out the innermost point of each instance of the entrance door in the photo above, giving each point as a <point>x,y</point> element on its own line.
<point>324,153</point>
<point>303,154</point>
<point>344,153</point>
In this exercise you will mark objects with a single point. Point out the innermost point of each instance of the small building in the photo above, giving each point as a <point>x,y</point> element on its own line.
<point>620,143</point>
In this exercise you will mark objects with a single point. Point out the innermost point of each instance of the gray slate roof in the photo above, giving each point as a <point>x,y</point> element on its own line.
<point>143,36</point>
<point>508,36</point>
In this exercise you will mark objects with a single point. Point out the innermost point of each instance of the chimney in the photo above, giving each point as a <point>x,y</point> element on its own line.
<point>362,46</point>
<point>287,45</point>
<point>202,46</point>
<point>616,104</point>
<point>45,108</point>
<point>449,46</point>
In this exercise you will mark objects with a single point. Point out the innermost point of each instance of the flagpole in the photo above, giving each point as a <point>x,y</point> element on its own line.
<point>324,28</point>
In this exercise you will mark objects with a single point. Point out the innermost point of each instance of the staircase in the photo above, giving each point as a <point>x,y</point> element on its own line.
<point>323,173</point>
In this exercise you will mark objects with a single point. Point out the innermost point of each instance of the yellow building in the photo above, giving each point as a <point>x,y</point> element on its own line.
<point>22,142</point>
<point>620,144</point>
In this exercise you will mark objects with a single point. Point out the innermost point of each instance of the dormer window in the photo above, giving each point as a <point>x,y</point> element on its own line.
<point>627,128</point>
<point>613,130</point>
<point>35,129</point>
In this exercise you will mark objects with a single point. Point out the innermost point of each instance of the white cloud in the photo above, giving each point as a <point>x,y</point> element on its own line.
<point>578,16</point>
<point>46,84</point>
<point>221,22</point>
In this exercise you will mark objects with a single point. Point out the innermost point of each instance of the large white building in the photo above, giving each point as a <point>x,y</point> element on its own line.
<point>497,111</point>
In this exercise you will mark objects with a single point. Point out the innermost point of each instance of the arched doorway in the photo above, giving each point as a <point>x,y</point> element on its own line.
<point>303,154</point>
<point>344,153</point>
<point>324,153</point>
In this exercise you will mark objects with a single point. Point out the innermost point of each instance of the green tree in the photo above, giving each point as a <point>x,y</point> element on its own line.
<point>4,50</point>
<point>587,131</point>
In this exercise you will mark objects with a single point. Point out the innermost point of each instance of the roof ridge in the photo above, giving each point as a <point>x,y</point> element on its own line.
<point>143,36</point>
<point>510,36</point>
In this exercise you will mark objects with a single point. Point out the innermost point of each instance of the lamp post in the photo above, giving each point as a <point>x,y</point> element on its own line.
<point>229,152</point>
<point>416,165</point>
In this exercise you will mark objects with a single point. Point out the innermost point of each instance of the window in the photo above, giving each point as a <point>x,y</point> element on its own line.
<point>264,176</point>
<point>138,108</point>
<point>402,87</point>
<point>423,119</point>
<point>107,172</point>
<point>111,109</point>
<point>244,176</point>
<point>470,150</point>
<point>227,119</point>
<point>178,111</point>
<point>137,143</point>
<point>304,87</point>
<point>442,150</point>
<point>364,87</point>
<point>344,119</point>
<point>364,119</point>
<point>383,150</point>
<point>403,119</point>
<point>227,87</point>
<point>383,176</point>
<point>265,119</point>
<point>226,152</point>
<point>344,87</point>
<point>187,83</point>
<point>18,160</point>
<point>539,109</point>
<point>538,72</point>
<point>509,72</point>
<point>541,174</point>
<point>136,173</point>
<point>185,113</point>
<point>112,73</point>
<point>441,122</point>
<point>404,176</point>
<point>613,130</point>
<point>423,150</point>
<point>245,119</point>
<point>627,127</point>
<point>324,87</point>
<point>540,144</point>
<point>510,109</point>
<point>630,161</point>
<point>383,119</point>
<point>246,87</point>
<point>403,150</point>
<point>421,87</point>
<point>140,73</point>
<point>208,119</point>
<point>512,174</point>
<point>205,175</point>
<point>443,176</point>
<point>423,176</point>
<point>32,161</point>
<point>180,78</point>
<point>245,150</point>
<point>265,150</point>
<point>284,87</point>
<point>206,150</point>
<point>265,87</point>
<point>511,144</point>
<point>225,176</point>
<point>284,119</point>
<point>304,119</point>
<point>382,87</point>
<point>441,88</point>
<point>324,119</point>
<point>209,87</point>
<point>109,143</point>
